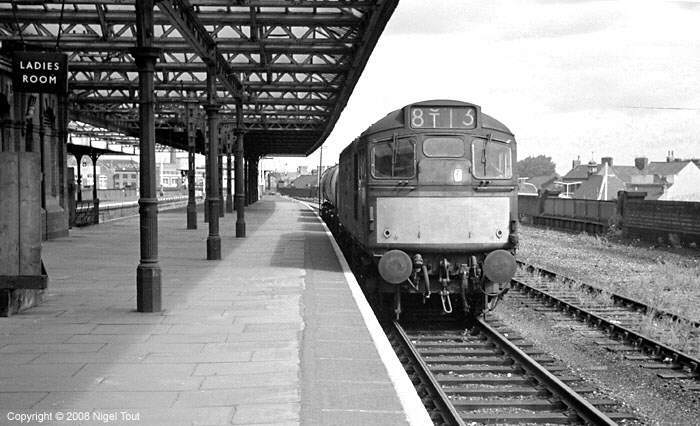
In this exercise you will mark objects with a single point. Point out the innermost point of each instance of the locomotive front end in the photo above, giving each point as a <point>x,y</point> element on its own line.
<point>447,246</point>
<point>446,225</point>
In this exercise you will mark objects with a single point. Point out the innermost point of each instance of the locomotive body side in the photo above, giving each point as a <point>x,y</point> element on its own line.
<point>427,197</point>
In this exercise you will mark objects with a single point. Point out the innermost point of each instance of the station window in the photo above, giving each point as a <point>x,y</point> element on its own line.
<point>491,160</point>
<point>394,158</point>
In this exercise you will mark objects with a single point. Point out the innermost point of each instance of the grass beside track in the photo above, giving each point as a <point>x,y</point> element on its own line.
<point>661,279</point>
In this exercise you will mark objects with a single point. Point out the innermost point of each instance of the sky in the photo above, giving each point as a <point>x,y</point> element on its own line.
<point>570,78</point>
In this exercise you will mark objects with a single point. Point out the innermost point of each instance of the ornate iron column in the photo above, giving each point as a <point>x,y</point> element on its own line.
<point>220,175</point>
<point>95,201</point>
<point>246,173</point>
<point>191,202</point>
<point>255,180</point>
<point>148,273</point>
<point>240,186</point>
<point>79,178</point>
<point>229,192</point>
<point>214,239</point>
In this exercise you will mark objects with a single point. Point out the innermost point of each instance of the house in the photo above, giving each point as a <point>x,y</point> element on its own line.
<point>305,181</point>
<point>680,179</point>
<point>603,185</point>
<point>672,179</point>
<point>125,178</point>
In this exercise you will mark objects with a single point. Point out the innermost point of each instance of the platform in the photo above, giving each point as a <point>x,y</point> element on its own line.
<point>272,334</point>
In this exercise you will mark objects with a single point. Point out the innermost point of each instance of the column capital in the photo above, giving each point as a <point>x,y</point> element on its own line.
<point>212,108</point>
<point>144,55</point>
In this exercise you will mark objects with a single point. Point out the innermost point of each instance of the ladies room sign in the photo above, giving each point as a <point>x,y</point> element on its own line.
<point>40,72</point>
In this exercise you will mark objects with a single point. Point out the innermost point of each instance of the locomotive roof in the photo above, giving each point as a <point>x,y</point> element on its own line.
<point>395,118</point>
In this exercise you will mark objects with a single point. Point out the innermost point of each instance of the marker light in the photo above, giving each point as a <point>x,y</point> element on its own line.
<point>457,175</point>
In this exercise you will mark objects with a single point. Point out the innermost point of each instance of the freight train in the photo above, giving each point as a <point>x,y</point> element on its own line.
<point>425,203</point>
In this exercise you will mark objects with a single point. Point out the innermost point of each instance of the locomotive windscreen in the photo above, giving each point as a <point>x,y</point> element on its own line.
<point>394,158</point>
<point>491,160</point>
<point>449,147</point>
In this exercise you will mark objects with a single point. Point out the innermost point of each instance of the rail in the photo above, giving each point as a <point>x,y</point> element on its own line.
<point>571,399</point>
<point>442,410</point>
<point>485,377</point>
<point>618,299</point>
<point>643,343</point>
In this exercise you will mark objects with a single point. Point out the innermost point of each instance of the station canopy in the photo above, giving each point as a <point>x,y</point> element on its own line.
<point>291,65</point>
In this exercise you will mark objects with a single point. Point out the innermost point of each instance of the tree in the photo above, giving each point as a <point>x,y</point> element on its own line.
<point>536,166</point>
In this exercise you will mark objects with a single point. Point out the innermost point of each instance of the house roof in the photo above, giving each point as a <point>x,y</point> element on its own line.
<point>590,188</point>
<point>664,168</point>
<point>578,172</point>
<point>625,173</point>
<point>305,181</point>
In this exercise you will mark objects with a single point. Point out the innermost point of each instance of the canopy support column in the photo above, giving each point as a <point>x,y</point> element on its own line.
<point>95,201</point>
<point>191,201</point>
<point>214,239</point>
<point>246,168</point>
<point>229,192</point>
<point>79,178</point>
<point>148,273</point>
<point>240,187</point>
<point>220,176</point>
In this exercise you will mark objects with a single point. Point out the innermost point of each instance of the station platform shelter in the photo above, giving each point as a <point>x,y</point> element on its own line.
<point>276,332</point>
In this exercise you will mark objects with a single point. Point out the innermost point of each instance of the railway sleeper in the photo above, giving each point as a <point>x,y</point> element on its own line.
<point>523,404</point>
<point>449,380</point>
<point>517,417</point>
<point>469,369</point>
<point>484,391</point>
<point>457,351</point>
<point>461,360</point>
<point>421,343</point>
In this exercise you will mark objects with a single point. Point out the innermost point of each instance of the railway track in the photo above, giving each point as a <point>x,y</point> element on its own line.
<point>493,376</point>
<point>621,317</point>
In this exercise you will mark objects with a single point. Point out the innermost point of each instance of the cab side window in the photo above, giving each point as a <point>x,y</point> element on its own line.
<point>394,158</point>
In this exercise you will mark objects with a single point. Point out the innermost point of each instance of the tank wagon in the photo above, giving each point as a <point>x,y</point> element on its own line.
<point>425,202</point>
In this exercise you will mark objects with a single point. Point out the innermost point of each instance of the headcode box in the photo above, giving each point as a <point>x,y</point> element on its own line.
<point>40,72</point>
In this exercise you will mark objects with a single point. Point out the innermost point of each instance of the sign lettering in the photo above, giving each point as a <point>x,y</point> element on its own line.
<point>40,72</point>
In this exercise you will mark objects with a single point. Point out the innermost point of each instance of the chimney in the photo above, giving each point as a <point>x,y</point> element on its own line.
<point>641,163</point>
<point>576,162</point>
<point>608,160</point>
<point>669,157</point>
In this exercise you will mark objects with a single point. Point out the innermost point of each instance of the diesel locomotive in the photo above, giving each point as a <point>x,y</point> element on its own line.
<point>425,202</point>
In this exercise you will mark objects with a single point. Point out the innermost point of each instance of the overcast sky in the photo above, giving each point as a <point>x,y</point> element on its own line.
<point>569,77</point>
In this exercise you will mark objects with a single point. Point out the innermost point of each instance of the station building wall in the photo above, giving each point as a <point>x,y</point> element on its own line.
<point>33,192</point>
<point>34,122</point>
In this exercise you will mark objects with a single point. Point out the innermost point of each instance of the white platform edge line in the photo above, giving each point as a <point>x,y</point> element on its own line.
<point>413,407</point>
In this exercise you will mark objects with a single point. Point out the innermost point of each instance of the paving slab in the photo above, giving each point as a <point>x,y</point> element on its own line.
<point>271,334</point>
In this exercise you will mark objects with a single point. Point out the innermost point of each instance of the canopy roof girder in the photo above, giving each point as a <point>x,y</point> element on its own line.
<point>295,63</point>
